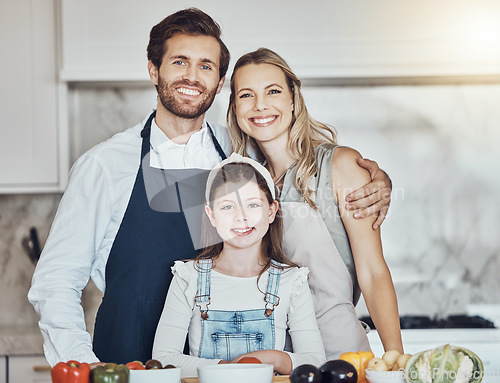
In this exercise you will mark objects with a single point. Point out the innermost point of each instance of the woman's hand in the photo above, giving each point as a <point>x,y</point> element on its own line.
<point>279,359</point>
<point>374,197</point>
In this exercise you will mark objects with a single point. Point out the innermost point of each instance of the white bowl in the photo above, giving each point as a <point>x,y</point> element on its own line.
<point>241,373</point>
<point>385,376</point>
<point>156,375</point>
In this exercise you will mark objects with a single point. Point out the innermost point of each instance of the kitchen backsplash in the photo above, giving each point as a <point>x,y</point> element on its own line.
<point>438,144</point>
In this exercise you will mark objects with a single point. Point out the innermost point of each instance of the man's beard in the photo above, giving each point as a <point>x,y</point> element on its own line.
<point>167,95</point>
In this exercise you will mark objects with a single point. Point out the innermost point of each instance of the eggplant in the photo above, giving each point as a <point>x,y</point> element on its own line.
<point>444,364</point>
<point>338,371</point>
<point>305,373</point>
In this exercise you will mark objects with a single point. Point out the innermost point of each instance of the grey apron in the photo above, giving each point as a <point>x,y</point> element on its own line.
<point>308,242</point>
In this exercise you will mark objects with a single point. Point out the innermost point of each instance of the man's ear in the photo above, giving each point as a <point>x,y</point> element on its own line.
<point>221,83</point>
<point>273,209</point>
<point>153,72</point>
<point>210,215</point>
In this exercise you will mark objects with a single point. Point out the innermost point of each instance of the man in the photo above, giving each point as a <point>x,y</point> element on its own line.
<point>109,226</point>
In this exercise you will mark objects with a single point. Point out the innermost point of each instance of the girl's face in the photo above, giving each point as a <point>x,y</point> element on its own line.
<point>241,214</point>
<point>263,102</point>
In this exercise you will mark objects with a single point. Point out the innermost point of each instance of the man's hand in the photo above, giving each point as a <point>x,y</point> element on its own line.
<point>373,198</point>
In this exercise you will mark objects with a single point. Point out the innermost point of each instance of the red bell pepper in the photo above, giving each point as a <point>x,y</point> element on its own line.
<point>70,372</point>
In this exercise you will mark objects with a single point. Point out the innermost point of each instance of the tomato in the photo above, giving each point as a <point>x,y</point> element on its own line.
<point>152,364</point>
<point>249,359</point>
<point>135,365</point>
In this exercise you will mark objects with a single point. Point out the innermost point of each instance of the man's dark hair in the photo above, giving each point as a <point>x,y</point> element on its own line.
<point>191,21</point>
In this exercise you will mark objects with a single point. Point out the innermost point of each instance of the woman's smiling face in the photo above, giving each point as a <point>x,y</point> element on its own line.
<point>263,102</point>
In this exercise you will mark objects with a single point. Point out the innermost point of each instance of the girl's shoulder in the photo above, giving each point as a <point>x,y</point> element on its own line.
<point>186,270</point>
<point>186,275</point>
<point>295,280</point>
<point>294,275</point>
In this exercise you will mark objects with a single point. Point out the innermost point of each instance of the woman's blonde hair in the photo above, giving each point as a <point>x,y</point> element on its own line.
<point>305,133</point>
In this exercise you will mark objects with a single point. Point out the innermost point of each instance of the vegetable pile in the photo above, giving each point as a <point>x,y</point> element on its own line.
<point>392,360</point>
<point>350,367</point>
<point>76,372</point>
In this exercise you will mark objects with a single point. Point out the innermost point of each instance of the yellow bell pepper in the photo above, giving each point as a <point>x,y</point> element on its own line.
<point>359,360</point>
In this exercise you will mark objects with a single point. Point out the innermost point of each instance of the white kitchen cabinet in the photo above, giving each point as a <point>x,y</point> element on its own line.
<point>28,369</point>
<point>3,369</point>
<point>320,38</point>
<point>33,149</point>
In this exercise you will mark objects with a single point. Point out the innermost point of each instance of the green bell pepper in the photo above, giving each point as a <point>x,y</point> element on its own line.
<point>110,373</point>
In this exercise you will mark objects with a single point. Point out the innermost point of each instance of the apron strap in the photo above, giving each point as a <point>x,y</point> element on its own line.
<point>273,283</point>
<point>202,298</point>
<point>146,132</point>
<point>216,143</point>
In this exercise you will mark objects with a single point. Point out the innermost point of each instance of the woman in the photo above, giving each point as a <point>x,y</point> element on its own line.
<point>267,115</point>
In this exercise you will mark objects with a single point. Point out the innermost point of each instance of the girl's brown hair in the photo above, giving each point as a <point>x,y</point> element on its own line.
<point>272,242</point>
<point>305,133</point>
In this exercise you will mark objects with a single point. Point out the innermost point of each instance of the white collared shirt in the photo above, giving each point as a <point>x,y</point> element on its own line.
<point>198,152</point>
<point>85,226</point>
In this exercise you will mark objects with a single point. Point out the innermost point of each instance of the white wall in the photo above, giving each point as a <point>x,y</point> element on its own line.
<point>438,144</point>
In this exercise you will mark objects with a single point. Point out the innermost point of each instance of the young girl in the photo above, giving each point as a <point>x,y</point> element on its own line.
<point>241,293</point>
<point>267,114</point>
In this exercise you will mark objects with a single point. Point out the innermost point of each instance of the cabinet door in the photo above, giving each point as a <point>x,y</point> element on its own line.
<point>3,369</point>
<point>28,369</point>
<point>319,39</point>
<point>29,134</point>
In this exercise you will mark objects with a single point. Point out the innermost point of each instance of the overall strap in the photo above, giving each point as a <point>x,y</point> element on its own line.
<point>273,283</point>
<point>216,143</point>
<point>202,298</point>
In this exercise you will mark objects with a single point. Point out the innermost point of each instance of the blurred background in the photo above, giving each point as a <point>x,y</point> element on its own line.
<point>414,85</point>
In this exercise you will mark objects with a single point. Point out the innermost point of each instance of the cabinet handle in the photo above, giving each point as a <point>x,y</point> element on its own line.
<point>41,368</point>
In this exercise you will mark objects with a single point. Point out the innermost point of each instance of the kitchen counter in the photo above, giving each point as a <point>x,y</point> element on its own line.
<point>27,340</point>
<point>20,340</point>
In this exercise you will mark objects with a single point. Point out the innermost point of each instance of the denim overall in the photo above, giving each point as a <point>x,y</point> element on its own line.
<point>138,275</point>
<point>229,334</point>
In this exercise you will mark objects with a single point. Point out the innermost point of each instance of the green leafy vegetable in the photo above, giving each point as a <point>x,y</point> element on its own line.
<point>444,364</point>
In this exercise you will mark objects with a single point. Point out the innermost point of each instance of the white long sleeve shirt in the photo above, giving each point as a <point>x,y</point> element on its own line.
<point>182,317</point>
<point>86,223</point>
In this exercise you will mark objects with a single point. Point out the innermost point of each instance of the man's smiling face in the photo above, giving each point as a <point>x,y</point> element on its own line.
<point>188,78</point>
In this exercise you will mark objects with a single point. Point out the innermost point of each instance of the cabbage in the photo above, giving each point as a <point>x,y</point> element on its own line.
<point>444,364</point>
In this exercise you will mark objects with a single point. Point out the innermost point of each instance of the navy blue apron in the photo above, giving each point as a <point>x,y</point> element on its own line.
<point>138,270</point>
